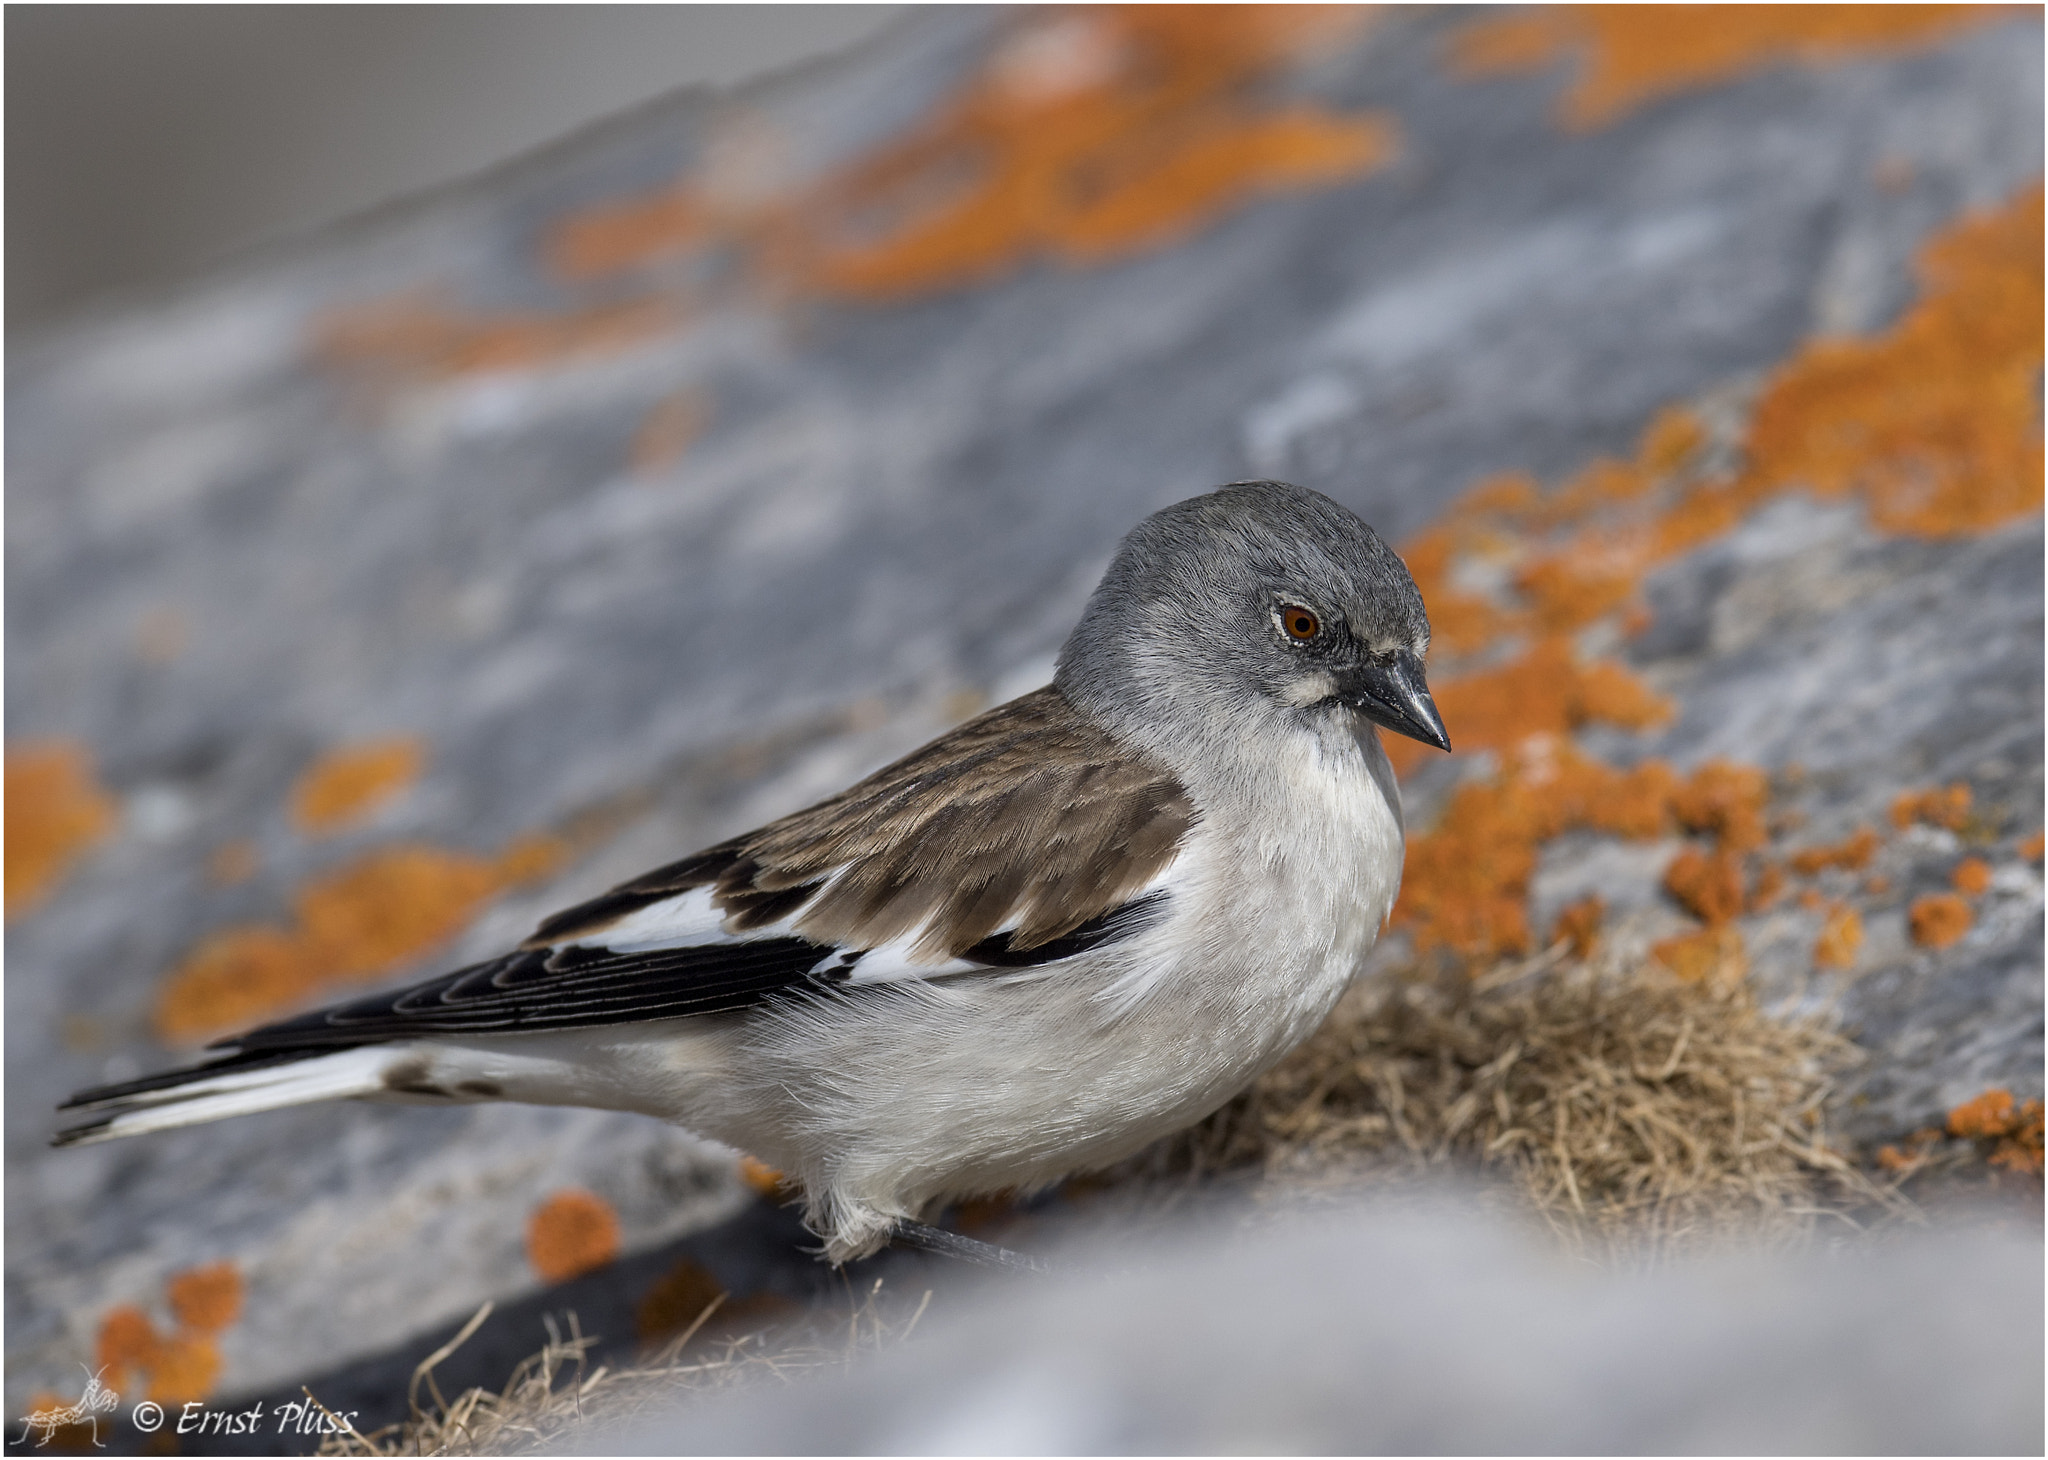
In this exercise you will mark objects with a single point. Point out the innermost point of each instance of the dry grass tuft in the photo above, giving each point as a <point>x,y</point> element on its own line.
<point>555,1391</point>
<point>1634,1110</point>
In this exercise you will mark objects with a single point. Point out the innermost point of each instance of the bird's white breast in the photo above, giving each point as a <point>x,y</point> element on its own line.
<point>1281,891</point>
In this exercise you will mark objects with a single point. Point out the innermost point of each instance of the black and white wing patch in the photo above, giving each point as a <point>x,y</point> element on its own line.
<point>1019,839</point>
<point>579,985</point>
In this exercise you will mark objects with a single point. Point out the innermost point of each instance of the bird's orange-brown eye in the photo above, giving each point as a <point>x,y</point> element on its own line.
<point>1300,624</point>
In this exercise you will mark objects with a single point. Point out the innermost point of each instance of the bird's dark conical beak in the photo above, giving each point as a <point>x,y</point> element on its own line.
<point>1396,695</point>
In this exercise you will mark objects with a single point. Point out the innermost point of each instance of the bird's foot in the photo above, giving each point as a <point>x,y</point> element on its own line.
<point>968,1249</point>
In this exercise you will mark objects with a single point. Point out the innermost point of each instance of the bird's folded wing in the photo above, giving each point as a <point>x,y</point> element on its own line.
<point>1022,837</point>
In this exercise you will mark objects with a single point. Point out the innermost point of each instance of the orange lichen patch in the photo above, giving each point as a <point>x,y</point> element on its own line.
<point>1566,595</point>
<point>1710,955</point>
<point>762,1178</point>
<point>573,1232</point>
<point>206,1299</point>
<point>1088,135</point>
<point>2031,849</point>
<point>1852,855</point>
<point>1934,423</point>
<point>56,811</point>
<point>1878,886</point>
<point>348,784</point>
<point>1937,422</point>
<point>392,905</point>
<point>1466,880</point>
<point>1840,937</point>
<point>422,336</point>
<point>184,1364</point>
<point>1939,920</point>
<point>234,978</point>
<point>2016,1126</point>
<point>1726,801</point>
<point>354,924</point>
<point>1578,926</point>
<point>1708,887</point>
<point>1972,877</point>
<point>187,1367</point>
<point>1632,54</point>
<point>678,1299</point>
<point>1987,1117</point>
<point>1948,808</point>
<point>232,863</point>
<point>668,431</point>
<point>127,1341</point>
<point>1458,622</point>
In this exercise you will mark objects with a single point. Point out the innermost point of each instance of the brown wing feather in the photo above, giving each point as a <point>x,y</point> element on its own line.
<point>1028,812</point>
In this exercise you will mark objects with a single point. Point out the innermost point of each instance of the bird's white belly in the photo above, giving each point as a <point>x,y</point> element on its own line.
<point>992,1081</point>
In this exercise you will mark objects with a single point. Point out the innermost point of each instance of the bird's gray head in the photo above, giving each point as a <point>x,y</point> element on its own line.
<point>1255,600</point>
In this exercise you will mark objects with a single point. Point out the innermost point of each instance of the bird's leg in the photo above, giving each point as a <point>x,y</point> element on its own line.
<point>967,1249</point>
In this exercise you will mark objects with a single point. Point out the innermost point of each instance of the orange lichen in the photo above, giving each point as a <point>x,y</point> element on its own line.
<point>127,1341</point>
<point>357,923</point>
<point>677,1300</point>
<point>1768,887</point>
<point>1939,920</point>
<point>206,1299</point>
<point>187,1367</point>
<point>2015,1126</point>
<point>1962,454</point>
<point>1852,855</point>
<point>346,785</point>
<point>1466,881</point>
<point>1088,134</point>
<point>1948,808</point>
<point>234,978</point>
<point>573,1232</point>
<point>1578,926</point>
<point>1840,937</point>
<point>2031,848</point>
<point>1633,54</point>
<point>427,337</point>
<point>1708,887</point>
<point>185,1363</point>
<point>232,863</point>
<point>1708,955</point>
<point>1972,877</point>
<point>56,811</point>
<point>1987,1117</point>
<point>1726,801</point>
<point>1936,422</point>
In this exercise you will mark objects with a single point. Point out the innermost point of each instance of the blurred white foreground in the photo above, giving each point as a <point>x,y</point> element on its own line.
<point>1432,1327</point>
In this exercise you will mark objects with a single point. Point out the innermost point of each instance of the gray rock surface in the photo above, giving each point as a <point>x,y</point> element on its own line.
<point>891,513</point>
<point>1428,1329</point>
